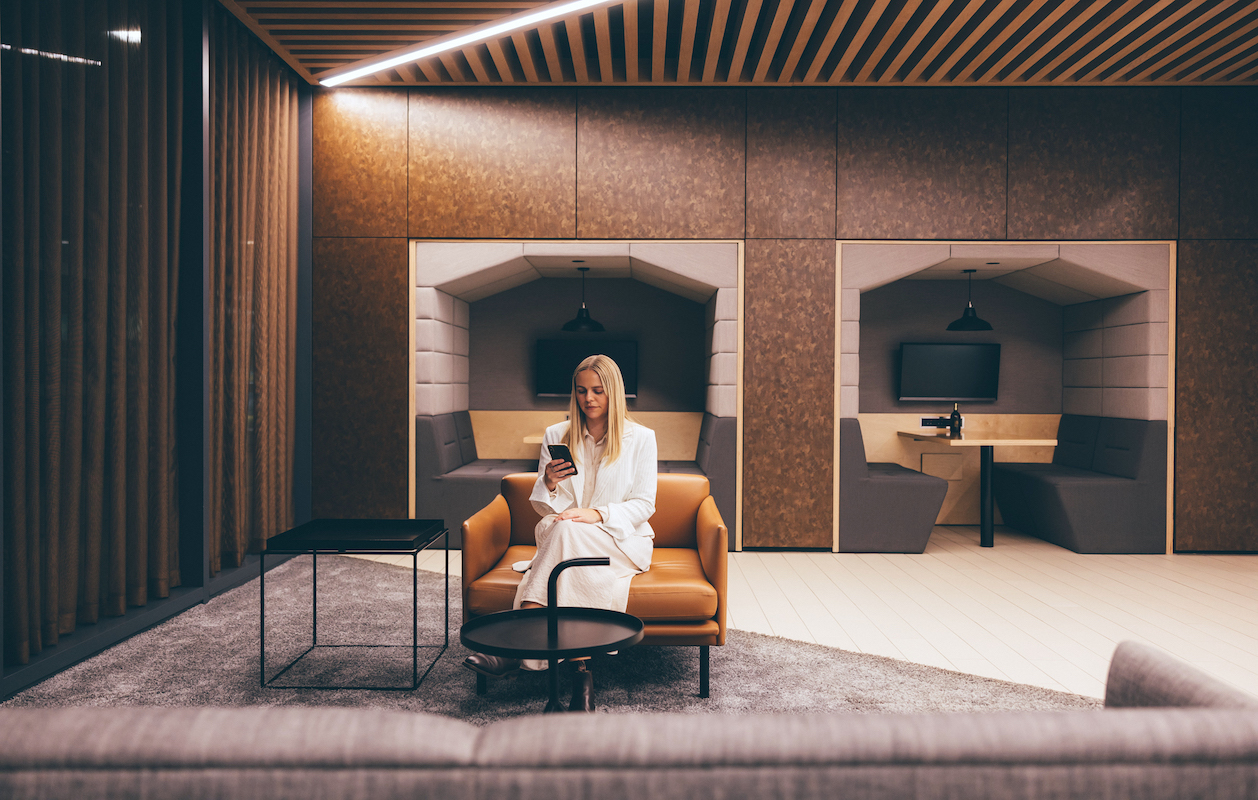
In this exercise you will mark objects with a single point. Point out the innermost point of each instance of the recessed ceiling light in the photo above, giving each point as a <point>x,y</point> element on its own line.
<point>993,263</point>
<point>578,261</point>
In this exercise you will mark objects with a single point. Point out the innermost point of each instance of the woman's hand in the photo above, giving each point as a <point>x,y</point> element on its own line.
<point>590,515</point>
<point>556,471</point>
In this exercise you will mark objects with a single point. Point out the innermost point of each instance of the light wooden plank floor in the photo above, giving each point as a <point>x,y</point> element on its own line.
<point>1024,611</point>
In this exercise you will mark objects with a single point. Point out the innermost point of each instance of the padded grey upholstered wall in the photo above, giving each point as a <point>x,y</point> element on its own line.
<point>670,332</point>
<point>1027,328</point>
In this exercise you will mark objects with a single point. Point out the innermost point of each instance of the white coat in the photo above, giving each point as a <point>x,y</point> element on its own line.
<point>624,491</point>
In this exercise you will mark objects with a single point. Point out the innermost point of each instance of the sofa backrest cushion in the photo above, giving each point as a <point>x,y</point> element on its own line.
<point>677,500</point>
<point>446,439</point>
<point>1141,676</point>
<point>718,441</point>
<point>852,464</point>
<point>467,442</point>
<point>1120,446</point>
<point>1076,441</point>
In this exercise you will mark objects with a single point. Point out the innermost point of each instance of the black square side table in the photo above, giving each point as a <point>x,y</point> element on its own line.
<point>357,537</point>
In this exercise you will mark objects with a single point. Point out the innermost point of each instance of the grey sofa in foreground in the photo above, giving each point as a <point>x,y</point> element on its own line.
<point>1168,732</point>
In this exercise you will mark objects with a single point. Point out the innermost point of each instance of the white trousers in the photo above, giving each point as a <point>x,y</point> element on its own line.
<point>587,587</point>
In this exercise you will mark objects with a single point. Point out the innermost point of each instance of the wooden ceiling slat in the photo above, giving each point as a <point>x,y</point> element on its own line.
<point>943,41</point>
<point>806,28</point>
<point>1090,9</point>
<point>751,16</point>
<point>888,38</point>
<point>928,24</point>
<point>858,41</point>
<point>998,41</point>
<point>1115,42</point>
<point>265,35</point>
<point>631,41</point>
<point>689,29</point>
<point>603,35</point>
<point>501,62</point>
<point>1204,30</point>
<point>1224,51</point>
<point>430,70</point>
<point>827,43</point>
<point>1141,40</point>
<point>546,32</point>
<point>576,45</point>
<point>1105,24</point>
<point>659,41</point>
<point>716,37</point>
<point>772,41</point>
<point>451,63</point>
<point>525,56</point>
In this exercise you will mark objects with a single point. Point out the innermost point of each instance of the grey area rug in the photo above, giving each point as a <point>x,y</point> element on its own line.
<point>209,656</point>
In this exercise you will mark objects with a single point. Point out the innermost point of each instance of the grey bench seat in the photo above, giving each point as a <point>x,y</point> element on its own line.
<point>1104,492</point>
<point>883,507</point>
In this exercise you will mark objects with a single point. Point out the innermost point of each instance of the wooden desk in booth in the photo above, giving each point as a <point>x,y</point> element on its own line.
<point>986,442</point>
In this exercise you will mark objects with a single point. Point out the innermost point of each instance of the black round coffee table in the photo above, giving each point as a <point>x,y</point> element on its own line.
<point>553,632</point>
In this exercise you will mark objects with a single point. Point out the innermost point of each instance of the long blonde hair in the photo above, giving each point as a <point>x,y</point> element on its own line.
<point>617,420</point>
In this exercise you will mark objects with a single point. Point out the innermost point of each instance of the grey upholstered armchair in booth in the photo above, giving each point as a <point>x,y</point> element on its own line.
<point>883,508</point>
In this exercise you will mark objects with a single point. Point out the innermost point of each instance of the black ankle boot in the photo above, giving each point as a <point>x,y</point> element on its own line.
<point>582,689</point>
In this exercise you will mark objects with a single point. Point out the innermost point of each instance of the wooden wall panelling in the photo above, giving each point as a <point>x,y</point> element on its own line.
<point>791,168</point>
<point>788,393</point>
<point>661,163</point>
<point>359,162</point>
<point>1216,446</point>
<point>1093,163</point>
<point>360,394</point>
<point>916,164</point>
<point>494,163</point>
<point>1219,166</point>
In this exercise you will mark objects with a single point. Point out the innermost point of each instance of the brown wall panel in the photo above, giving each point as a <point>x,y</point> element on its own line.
<point>360,397</point>
<point>918,164</point>
<point>1094,163</point>
<point>493,163</point>
<point>790,163</point>
<point>788,393</point>
<point>661,163</point>
<point>359,155</point>
<point>1216,444</point>
<point>1219,168</point>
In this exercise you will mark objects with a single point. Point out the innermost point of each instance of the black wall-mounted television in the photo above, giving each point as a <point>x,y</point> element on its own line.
<point>949,372</point>
<point>555,359</point>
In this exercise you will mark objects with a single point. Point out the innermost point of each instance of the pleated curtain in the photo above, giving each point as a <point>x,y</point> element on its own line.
<point>253,284</point>
<point>92,105</point>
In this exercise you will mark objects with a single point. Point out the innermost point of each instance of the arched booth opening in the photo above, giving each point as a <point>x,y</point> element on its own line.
<point>1086,359</point>
<point>487,318</point>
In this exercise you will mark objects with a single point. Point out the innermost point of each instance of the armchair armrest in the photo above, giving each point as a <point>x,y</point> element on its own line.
<point>712,541</point>
<point>486,535</point>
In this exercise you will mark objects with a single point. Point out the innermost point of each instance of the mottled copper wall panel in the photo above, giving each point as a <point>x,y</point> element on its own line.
<point>493,163</point>
<point>788,393</point>
<point>360,397</point>
<point>359,162</point>
<point>1092,163</point>
<point>790,163</point>
<point>1216,444</point>
<point>661,163</point>
<point>915,164</point>
<point>1219,168</point>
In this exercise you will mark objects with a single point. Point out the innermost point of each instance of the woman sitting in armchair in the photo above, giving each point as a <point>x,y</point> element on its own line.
<point>600,509</point>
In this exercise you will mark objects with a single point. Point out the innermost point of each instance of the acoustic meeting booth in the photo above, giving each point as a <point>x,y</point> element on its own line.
<point>1082,331</point>
<point>490,320</point>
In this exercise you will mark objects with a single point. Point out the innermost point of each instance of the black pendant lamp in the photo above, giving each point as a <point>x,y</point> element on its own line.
<point>582,322</point>
<point>969,320</point>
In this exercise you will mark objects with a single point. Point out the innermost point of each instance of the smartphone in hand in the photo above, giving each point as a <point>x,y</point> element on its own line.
<point>562,451</point>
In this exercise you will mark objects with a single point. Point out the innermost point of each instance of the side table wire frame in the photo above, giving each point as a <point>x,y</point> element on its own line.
<point>415,646</point>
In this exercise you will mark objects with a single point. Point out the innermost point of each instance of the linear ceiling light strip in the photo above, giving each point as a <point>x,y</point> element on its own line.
<point>447,43</point>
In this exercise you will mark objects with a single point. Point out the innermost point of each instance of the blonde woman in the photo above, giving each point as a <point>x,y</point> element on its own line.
<point>598,506</point>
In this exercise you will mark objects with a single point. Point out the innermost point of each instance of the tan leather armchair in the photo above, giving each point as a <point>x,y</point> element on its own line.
<point>680,599</point>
